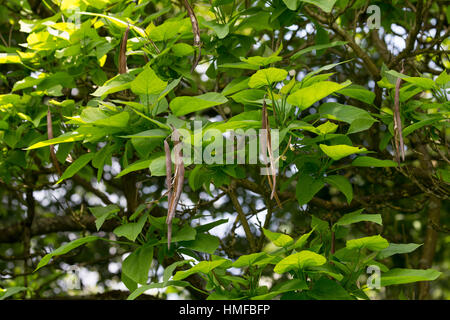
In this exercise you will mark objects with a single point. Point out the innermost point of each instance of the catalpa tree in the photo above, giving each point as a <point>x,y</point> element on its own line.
<point>224,149</point>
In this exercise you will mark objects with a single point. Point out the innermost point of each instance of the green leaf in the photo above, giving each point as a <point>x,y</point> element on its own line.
<point>402,276</point>
<point>415,126</point>
<point>300,243</point>
<point>9,58</point>
<point>131,230</point>
<point>289,285</point>
<point>317,48</point>
<point>118,83</point>
<point>28,82</point>
<point>394,74</point>
<point>360,125</point>
<point>397,248</point>
<point>221,30</point>
<point>268,259</point>
<point>285,286</point>
<point>340,151</point>
<point>306,97</point>
<point>137,265</point>
<point>408,91</point>
<point>149,134</point>
<point>358,93</point>
<point>137,212</point>
<point>308,81</point>
<point>217,3</point>
<point>328,270</point>
<point>423,83</point>
<point>91,114</point>
<point>172,85</point>
<point>103,213</point>
<point>148,83</point>
<point>444,78</point>
<point>365,161</point>
<point>100,156</point>
<point>158,166</point>
<point>203,267</point>
<point>356,216</point>
<point>182,49</point>
<point>443,174</point>
<point>323,68</point>
<point>266,77</point>
<point>202,243</point>
<point>198,176</point>
<point>65,249</point>
<point>239,65</point>
<point>76,166</point>
<point>327,289</point>
<point>168,30</point>
<point>159,222</point>
<point>319,225</point>
<point>374,243</point>
<point>307,187</point>
<point>11,291</point>
<point>358,119</point>
<point>209,226</point>
<point>263,61</point>
<point>64,138</point>
<point>168,271</point>
<point>117,22</point>
<point>119,120</point>
<point>288,87</point>
<point>278,239</point>
<point>248,259</point>
<point>292,4</point>
<point>181,106</point>
<point>186,233</point>
<point>325,5</point>
<point>300,260</point>
<point>327,127</point>
<point>342,184</point>
<point>138,165</point>
<point>236,85</point>
<point>130,284</point>
<point>136,293</point>
<point>250,96</point>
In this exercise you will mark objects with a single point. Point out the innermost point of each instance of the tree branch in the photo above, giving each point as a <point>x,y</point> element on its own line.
<point>371,67</point>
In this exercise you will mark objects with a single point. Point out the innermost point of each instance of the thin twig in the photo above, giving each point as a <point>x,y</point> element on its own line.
<point>196,31</point>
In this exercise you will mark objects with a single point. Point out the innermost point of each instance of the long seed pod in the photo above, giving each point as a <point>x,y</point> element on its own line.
<point>122,52</point>
<point>177,185</point>
<point>52,147</point>
<point>196,31</point>
<point>267,143</point>
<point>264,130</point>
<point>168,171</point>
<point>398,135</point>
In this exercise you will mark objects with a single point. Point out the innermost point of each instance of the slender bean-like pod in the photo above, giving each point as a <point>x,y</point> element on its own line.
<point>122,52</point>
<point>267,143</point>
<point>168,171</point>
<point>398,135</point>
<point>176,186</point>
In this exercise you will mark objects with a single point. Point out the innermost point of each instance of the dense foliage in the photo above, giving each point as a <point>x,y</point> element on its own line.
<point>350,203</point>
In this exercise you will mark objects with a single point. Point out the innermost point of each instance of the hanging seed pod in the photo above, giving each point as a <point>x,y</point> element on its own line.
<point>122,52</point>
<point>267,143</point>
<point>176,184</point>
<point>398,134</point>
